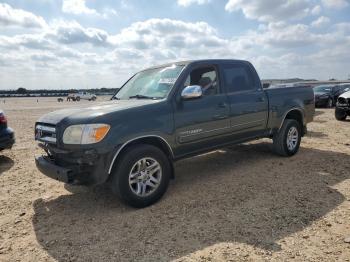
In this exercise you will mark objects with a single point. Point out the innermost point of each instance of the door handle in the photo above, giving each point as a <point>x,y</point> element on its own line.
<point>219,117</point>
<point>260,99</point>
<point>222,105</point>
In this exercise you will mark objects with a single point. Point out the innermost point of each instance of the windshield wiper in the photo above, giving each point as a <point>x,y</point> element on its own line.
<point>143,97</point>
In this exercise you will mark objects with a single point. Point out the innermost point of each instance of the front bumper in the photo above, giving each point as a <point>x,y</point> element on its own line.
<point>343,108</point>
<point>50,169</point>
<point>7,138</point>
<point>84,167</point>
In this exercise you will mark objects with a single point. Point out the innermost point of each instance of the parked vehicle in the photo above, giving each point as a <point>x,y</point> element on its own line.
<point>81,96</point>
<point>327,95</point>
<point>7,136</point>
<point>164,114</point>
<point>342,109</point>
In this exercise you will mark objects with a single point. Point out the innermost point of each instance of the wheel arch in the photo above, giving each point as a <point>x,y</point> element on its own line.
<point>295,114</point>
<point>154,140</point>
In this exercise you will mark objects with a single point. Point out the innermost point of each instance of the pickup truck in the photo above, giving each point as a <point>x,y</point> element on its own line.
<point>164,114</point>
<point>81,96</point>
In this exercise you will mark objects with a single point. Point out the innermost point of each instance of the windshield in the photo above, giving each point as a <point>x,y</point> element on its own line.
<point>322,89</point>
<point>150,84</point>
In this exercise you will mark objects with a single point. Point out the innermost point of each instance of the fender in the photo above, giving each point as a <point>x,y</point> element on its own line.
<point>290,110</point>
<point>131,140</point>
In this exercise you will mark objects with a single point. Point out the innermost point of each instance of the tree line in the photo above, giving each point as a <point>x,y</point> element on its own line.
<point>21,91</point>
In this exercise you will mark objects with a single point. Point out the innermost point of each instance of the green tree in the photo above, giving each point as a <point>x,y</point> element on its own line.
<point>21,91</point>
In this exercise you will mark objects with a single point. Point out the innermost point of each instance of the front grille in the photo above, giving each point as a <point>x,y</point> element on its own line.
<point>45,133</point>
<point>343,102</point>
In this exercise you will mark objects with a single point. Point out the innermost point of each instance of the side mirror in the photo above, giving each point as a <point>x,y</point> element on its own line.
<point>191,92</point>
<point>266,85</point>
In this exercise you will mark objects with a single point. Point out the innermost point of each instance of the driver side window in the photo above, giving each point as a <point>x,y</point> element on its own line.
<point>206,78</point>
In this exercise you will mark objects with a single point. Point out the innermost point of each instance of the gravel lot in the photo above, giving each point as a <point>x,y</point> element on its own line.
<point>240,204</point>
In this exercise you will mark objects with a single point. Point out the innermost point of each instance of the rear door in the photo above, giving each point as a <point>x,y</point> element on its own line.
<point>199,122</point>
<point>248,101</point>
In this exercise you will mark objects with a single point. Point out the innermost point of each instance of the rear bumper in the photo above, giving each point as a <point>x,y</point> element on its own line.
<point>7,138</point>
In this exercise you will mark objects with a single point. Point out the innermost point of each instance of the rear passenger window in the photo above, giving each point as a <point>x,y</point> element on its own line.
<point>238,78</point>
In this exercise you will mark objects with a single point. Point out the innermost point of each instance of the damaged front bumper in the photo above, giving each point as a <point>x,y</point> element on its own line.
<point>86,167</point>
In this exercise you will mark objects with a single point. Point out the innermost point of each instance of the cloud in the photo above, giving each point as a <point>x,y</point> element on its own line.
<point>154,33</point>
<point>17,17</point>
<point>78,7</point>
<point>187,3</point>
<point>321,21</point>
<point>73,33</point>
<point>76,55</point>
<point>316,10</point>
<point>270,10</point>
<point>29,41</point>
<point>336,4</point>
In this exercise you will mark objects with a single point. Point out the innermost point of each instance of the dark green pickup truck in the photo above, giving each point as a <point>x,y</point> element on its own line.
<point>164,114</point>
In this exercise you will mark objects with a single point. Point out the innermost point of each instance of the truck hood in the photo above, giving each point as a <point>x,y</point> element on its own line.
<point>93,111</point>
<point>345,95</point>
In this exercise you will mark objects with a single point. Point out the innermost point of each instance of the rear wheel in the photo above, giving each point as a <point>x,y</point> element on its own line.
<point>287,141</point>
<point>141,176</point>
<point>340,114</point>
<point>78,98</point>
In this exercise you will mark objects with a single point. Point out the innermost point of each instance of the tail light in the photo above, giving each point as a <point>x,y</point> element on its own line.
<point>3,119</point>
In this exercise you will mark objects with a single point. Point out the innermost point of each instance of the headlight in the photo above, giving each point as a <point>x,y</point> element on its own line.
<point>85,134</point>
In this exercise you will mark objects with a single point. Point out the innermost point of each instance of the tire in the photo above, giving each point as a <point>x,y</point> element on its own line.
<point>128,164</point>
<point>78,98</point>
<point>329,103</point>
<point>340,114</point>
<point>280,139</point>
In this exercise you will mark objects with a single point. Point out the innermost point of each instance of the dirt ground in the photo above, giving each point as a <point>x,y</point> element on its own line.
<point>238,204</point>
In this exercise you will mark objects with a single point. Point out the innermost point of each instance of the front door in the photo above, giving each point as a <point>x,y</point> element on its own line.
<point>200,122</point>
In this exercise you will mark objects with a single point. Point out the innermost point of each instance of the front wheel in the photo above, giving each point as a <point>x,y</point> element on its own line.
<point>287,141</point>
<point>141,176</point>
<point>78,98</point>
<point>340,114</point>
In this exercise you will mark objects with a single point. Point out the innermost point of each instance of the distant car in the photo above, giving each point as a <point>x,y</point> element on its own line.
<point>344,88</point>
<point>342,109</point>
<point>82,96</point>
<point>7,136</point>
<point>327,95</point>
<point>60,99</point>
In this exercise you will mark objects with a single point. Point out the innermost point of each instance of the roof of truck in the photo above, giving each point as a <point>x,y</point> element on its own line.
<point>187,62</point>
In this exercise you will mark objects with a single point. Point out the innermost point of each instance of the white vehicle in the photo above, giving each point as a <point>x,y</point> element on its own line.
<point>342,109</point>
<point>81,96</point>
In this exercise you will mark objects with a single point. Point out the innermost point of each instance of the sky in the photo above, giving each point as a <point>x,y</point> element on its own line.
<point>60,44</point>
